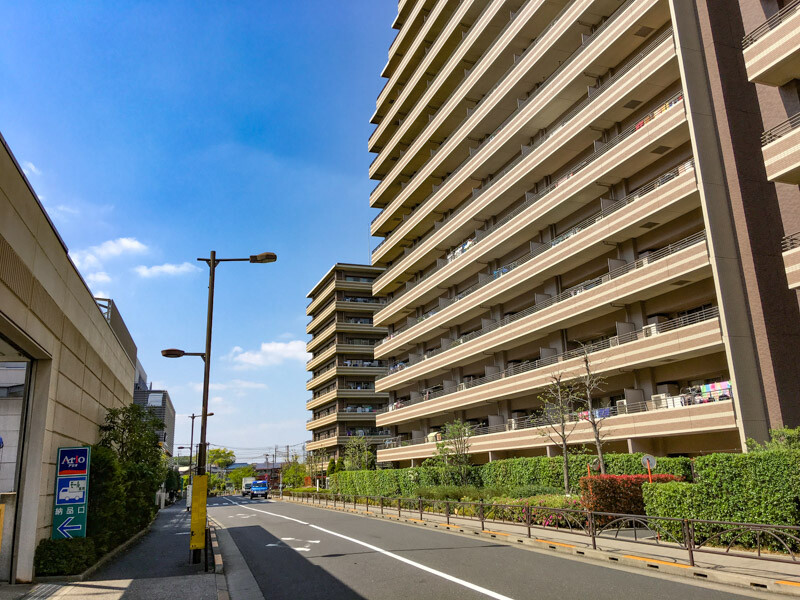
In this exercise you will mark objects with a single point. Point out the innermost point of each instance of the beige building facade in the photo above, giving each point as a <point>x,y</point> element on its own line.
<point>63,363</point>
<point>342,367</point>
<point>566,176</point>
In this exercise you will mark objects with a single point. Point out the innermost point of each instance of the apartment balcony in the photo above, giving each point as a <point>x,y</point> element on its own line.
<point>643,77</point>
<point>409,21</point>
<point>608,44</point>
<point>628,153</point>
<point>324,296</point>
<point>682,338</point>
<point>772,50</point>
<point>460,77</point>
<point>781,148</point>
<point>672,194</point>
<point>422,57</point>
<point>791,259</point>
<point>338,348</point>
<point>355,325</point>
<point>340,415</point>
<point>342,439</point>
<point>348,368</point>
<point>360,305</point>
<point>343,392</point>
<point>658,273</point>
<point>635,420</point>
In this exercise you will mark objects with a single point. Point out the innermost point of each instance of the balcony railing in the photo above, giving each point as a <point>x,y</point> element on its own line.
<point>610,342</point>
<point>565,295</point>
<point>585,44</point>
<point>771,23</point>
<point>781,130</point>
<point>550,133</point>
<point>790,242</point>
<point>630,198</point>
<point>688,398</point>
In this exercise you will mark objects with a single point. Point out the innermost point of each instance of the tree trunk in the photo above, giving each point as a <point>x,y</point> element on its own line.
<point>565,463</point>
<point>599,446</point>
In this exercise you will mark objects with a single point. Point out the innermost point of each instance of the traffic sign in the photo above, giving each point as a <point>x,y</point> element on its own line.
<point>71,502</point>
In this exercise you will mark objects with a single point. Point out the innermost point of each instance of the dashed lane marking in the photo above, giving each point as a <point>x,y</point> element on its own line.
<point>403,559</point>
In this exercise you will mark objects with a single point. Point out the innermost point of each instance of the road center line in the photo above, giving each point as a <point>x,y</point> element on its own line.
<point>402,559</point>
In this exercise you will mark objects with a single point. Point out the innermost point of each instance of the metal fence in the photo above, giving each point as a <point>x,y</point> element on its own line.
<point>756,541</point>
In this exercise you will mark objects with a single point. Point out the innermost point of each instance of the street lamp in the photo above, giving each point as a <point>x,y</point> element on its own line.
<point>212,261</point>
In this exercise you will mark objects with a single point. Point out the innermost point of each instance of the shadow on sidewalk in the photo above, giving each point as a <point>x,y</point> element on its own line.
<point>283,572</point>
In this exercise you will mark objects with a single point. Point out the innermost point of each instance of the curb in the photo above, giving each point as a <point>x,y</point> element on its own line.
<point>761,584</point>
<point>218,564</point>
<point>103,560</point>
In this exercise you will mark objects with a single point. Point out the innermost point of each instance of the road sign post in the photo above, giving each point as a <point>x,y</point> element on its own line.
<point>71,500</point>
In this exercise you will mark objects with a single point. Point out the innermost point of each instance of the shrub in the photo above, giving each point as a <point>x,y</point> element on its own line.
<point>105,519</point>
<point>617,493</point>
<point>64,557</point>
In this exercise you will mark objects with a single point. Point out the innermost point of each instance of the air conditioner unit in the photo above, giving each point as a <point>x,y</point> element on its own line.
<point>461,386</point>
<point>650,330</point>
<point>613,341</point>
<point>659,400</point>
<point>622,407</point>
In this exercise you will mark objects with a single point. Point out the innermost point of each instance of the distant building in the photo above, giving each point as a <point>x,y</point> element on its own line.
<point>160,403</point>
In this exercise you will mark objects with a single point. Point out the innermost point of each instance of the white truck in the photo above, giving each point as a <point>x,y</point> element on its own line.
<point>247,482</point>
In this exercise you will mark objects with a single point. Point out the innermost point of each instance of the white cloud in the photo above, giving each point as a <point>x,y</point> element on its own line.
<point>99,277</point>
<point>92,257</point>
<point>101,294</point>
<point>269,354</point>
<point>29,168</point>
<point>167,270</point>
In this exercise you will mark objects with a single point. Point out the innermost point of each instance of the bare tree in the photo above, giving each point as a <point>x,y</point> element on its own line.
<point>452,451</point>
<point>558,400</point>
<point>315,461</point>
<point>589,383</point>
<point>358,454</point>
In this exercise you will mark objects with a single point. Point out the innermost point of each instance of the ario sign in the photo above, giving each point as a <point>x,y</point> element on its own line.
<point>71,493</point>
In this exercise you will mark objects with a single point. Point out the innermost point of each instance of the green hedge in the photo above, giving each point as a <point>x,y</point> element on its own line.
<point>509,473</point>
<point>759,487</point>
<point>64,557</point>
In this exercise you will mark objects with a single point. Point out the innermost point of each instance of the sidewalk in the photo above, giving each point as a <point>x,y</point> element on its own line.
<point>155,568</point>
<point>773,576</point>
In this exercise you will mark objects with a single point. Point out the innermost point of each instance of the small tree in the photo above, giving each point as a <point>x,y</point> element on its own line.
<point>340,464</point>
<point>588,384</point>
<point>315,461</point>
<point>221,457</point>
<point>358,454</point>
<point>294,473</point>
<point>331,467</point>
<point>452,451</point>
<point>779,439</point>
<point>237,475</point>
<point>558,399</point>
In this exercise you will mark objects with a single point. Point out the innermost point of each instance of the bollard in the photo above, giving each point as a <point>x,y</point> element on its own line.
<point>528,517</point>
<point>447,511</point>
<point>367,500</point>
<point>481,512</point>
<point>399,512</point>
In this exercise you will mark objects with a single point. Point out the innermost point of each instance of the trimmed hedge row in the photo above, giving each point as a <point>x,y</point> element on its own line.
<point>758,487</point>
<point>508,473</point>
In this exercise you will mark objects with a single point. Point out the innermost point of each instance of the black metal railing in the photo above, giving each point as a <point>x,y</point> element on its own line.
<point>790,242</point>
<point>781,130</point>
<point>603,530</point>
<point>774,21</point>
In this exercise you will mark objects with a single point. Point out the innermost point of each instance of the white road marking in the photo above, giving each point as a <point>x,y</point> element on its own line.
<point>461,582</point>
<point>287,539</point>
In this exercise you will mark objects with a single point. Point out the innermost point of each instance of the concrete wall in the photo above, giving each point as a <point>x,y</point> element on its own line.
<point>81,369</point>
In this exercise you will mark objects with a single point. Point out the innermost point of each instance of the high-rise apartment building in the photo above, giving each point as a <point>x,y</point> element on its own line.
<point>772,58</point>
<point>159,402</point>
<point>560,177</point>
<point>343,400</point>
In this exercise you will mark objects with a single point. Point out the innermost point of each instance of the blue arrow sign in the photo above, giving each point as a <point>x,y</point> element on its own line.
<point>65,527</point>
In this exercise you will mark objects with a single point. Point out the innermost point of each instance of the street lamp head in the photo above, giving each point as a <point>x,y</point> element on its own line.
<point>172,353</point>
<point>264,257</point>
<point>209,414</point>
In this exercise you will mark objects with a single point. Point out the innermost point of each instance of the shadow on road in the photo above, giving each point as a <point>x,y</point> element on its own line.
<point>283,572</point>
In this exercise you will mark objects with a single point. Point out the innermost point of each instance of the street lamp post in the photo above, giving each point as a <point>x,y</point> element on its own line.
<point>212,261</point>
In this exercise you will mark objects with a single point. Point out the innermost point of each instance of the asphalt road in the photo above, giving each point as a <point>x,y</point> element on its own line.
<point>297,551</point>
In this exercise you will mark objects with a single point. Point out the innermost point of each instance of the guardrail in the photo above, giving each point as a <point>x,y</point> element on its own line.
<point>775,543</point>
<point>610,342</point>
<point>770,24</point>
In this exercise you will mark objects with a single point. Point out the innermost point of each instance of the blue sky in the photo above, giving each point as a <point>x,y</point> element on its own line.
<point>157,131</point>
